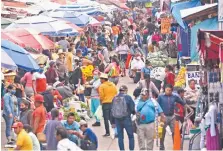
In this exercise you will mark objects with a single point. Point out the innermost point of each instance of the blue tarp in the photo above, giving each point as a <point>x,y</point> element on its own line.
<point>208,24</point>
<point>185,42</point>
<point>175,9</point>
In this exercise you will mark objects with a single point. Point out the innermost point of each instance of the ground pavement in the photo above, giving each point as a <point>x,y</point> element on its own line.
<point>107,143</point>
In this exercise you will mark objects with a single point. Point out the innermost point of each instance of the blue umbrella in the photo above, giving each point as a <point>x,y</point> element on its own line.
<point>73,17</point>
<point>43,24</point>
<point>19,55</point>
<point>7,62</point>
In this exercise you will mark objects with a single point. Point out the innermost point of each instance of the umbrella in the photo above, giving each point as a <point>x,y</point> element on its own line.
<point>43,24</point>
<point>79,29</point>
<point>12,38</point>
<point>29,37</point>
<point>73,17</point>
<point>19,55</point>
<point>5,22</point>
<point>94,22</point>
<point>7,62</point>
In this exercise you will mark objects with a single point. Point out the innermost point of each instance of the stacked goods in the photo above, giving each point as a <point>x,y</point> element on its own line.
<point>87,72</point>
<point>158,59</point>
<point>181,79</point>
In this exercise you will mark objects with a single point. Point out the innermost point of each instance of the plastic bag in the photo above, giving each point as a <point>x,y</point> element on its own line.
<point>98,113</point>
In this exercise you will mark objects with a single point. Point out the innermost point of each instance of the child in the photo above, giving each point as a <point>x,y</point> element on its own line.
<point>88,134</point>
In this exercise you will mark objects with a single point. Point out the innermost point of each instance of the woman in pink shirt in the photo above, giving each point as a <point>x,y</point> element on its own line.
<point>27,79</point>
<point>113,70</point>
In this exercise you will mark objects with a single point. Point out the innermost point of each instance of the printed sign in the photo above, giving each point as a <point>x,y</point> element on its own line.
<point>192,75</point>
<point>220,10</point>
<point>165,25</point>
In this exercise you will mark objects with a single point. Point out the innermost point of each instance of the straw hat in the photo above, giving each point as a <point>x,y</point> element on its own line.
<point>60,51</point>
<point>103,76</point>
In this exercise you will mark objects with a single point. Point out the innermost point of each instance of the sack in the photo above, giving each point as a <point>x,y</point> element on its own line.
<point>87,145</point>
<point>41,137</point>
<point>119,107</point>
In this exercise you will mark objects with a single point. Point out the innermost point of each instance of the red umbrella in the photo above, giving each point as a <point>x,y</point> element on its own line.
<point>30,38</point>
<point>12,38</point>
<point>75,26</point>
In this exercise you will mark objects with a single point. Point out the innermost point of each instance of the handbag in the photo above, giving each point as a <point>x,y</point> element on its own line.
<point>138,115</point>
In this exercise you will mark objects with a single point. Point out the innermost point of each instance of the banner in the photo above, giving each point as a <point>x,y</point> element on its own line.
<point>220,10</point>
<point>195,75</point>
<point>165,25</point>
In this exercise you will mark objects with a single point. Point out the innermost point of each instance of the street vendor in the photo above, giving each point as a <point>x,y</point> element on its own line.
<point>72,127</point>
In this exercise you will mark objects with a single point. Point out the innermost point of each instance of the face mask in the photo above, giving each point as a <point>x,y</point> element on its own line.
<point>22,109</point>
<point>95,77</point>
<point>41,70</point>
<point>13,92</point>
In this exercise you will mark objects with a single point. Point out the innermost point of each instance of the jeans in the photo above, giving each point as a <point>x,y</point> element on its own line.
<point>115,41</point>
<point>8,123</point>
<point>121,124</point>
<point>19,100</point>
<point>170,121</point>
<point>106,109</point>
<point>81,97</point>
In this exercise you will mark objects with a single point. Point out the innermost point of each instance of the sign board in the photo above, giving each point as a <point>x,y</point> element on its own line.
<point>165,25</point>
<point>148,4</point>
<point>220,10</point>
<point>195,75</point>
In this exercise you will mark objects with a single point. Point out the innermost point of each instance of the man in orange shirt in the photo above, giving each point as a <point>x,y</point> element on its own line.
<point>39,115</point>
<point>115,31</point>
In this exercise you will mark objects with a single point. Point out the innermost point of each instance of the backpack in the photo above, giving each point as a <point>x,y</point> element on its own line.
<point>119,107</point>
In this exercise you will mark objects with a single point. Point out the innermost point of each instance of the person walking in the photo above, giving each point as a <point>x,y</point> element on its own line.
<point>51,74</point>
<point>20,92</point>
<point>61,66</point>
<point>122,108</point>
<point>167,102</point>
<point>113,70</point>
<point>27,80</point>
<point>39,115</point>
<point>107,91</point>
<point>39,80</point>
<point>8,112</point>
<point>50,130</point>
<point>146,116</point>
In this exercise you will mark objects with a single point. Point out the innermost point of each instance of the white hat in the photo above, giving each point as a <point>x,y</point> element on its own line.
<point>60,51</point>
<point>82,122</point>
<point>56,83</point>
<point>104,76</point>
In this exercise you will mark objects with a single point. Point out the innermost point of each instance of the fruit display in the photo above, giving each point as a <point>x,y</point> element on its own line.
<point>67,110</point>
<point>87,71</point>
<point>181,78</point>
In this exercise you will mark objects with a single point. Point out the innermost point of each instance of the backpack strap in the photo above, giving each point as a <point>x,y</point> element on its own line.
<point>156,120</point>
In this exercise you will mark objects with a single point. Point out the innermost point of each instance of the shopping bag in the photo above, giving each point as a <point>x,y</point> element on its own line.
<point>98,113</point>
<point>129,57</point>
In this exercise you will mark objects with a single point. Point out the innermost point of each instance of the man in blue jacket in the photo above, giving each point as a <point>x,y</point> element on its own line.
<point>83,49</point>
<point>121,116</point>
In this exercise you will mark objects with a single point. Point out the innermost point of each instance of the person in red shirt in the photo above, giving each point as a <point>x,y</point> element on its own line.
<point>39,115</point>
<point>39,80</point>
<point>57,98</point>
<point>170,76</point>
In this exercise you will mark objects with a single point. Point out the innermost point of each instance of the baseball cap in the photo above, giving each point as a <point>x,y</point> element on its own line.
<point>39,98</point>
<point>144,91</point>
<point>103,76</point>
<point>82,122</point>
<point>17,124</point>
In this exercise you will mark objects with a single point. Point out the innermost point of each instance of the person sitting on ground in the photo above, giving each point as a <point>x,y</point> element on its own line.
<point>63,142</point>
<point>88,134</point>
<point>35,141</point>
<point>50,130</point>
<point>72,127</point>
<point>24,141</point>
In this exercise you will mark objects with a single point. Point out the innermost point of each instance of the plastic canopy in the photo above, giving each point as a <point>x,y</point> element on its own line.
<point>208,24</point>
<point>175,9</point>
<point>7,62</point>
<point>73,17</point>
<point>28,37</point>
<point>19,55</point>
<point>43,24</point>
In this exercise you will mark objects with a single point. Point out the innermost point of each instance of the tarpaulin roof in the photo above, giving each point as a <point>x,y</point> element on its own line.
<point>176,8</point>
<point>190,11</point>
<point>211,51</point>
<point>209,24</point>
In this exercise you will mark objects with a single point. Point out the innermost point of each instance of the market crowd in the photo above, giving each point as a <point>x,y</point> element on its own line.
<point>90,66</point>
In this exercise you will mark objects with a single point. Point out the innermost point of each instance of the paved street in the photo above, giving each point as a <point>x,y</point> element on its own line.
<point>108,143</point>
